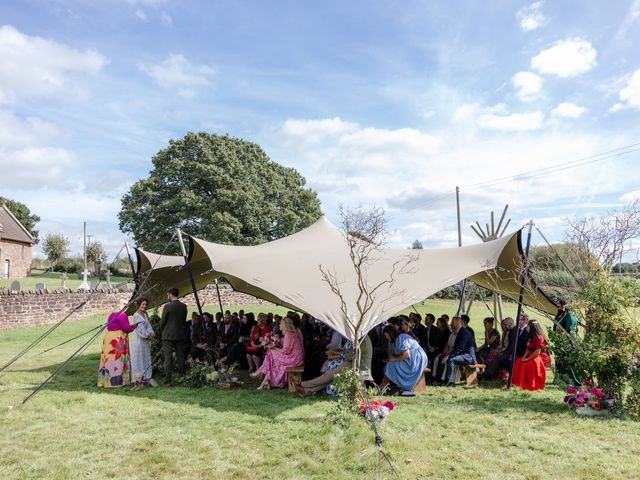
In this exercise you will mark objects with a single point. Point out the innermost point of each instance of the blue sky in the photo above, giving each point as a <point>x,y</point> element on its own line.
<point>387,103</point>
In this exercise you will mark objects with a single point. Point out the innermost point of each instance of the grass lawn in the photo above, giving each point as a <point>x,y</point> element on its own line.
<point>52,280</point>
<point>74,430</point>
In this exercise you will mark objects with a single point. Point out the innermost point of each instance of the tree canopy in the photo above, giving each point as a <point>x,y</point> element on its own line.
<point>55,247</point>
<point>24,215</point>
<point>219,188</point>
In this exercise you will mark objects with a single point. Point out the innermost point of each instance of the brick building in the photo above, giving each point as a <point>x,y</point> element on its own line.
<point>15,246</point>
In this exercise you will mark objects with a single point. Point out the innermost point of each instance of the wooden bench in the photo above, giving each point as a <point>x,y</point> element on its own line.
<point>421,386</point>
<point>471,373</point>
<point>294,377</point>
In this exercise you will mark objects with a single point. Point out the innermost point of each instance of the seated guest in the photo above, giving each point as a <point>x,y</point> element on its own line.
<point>529,371</point>
<point>199,338</point>
<point>432,337</point>
<point>276,326</point>
<point>463,352</point>
<point>238,351</point>
<point>323,381</point>
<point>420,331</point>
<point>405,368</point>
<point>406,326</point>
<point>278,359</point>
<point>491,339</point>
<point>447,339</point>
<point>227,336</point>
<point>501,356</point>
<point>336,341</point>
<point>465,323</point>
<point>255,348</point>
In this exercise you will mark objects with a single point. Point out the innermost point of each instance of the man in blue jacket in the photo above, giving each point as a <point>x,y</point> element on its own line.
<point>463,352</point>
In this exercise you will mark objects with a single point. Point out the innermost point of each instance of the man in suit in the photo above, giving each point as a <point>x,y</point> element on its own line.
<point>228,335</point>
<point>419,330</point>
<point>432,337</point>
<point>173,326</point>
<point>463,352</point>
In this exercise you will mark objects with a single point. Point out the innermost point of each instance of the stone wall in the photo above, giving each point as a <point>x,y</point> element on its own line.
<point>49,306</point>
<point>19,256</point>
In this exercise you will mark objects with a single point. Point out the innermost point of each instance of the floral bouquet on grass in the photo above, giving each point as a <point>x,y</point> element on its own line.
<point>379,410</point>
<point>589,399</point>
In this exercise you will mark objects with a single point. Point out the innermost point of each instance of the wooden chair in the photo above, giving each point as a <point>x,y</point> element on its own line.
<point>421,386</point>
<point>471,373</point>
<point>294,377</point>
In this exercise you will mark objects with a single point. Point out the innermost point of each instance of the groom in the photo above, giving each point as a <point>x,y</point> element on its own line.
<point>172,326</point>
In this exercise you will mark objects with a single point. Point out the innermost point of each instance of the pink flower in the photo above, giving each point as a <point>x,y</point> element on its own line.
<point>597,392</point>
<point>572,390</point>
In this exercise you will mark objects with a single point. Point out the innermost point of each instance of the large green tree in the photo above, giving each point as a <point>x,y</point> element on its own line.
<point>219,188</point>
<point>24,215</point>
<point>55,247</point>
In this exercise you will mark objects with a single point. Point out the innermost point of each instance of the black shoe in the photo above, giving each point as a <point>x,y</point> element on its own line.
<point>449,384</point>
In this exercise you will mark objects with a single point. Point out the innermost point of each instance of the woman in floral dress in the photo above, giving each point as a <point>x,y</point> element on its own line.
<point>115,370</point>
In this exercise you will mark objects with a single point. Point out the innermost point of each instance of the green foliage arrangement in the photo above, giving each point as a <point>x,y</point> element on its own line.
<point>220,188</point>
<point>608,354</point>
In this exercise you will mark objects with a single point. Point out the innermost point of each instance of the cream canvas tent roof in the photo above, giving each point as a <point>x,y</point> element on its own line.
<point>287,272</point>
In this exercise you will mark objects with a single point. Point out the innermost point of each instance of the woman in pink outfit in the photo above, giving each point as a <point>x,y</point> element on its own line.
<point>277,360</point>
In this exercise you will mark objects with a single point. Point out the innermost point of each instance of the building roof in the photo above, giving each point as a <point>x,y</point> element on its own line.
<point>12,229</point>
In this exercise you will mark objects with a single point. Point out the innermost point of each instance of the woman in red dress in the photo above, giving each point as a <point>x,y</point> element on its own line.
<point>255,350</point>
<point>529,371</point>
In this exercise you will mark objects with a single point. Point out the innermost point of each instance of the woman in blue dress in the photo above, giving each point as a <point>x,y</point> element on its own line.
<point>404,368</point>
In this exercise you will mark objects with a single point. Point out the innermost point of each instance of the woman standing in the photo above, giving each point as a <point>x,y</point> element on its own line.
<point>529,371</point>
<point>277,360</point>
<point>405,368</point>
<point>114,368</point>
<point>140,345</point>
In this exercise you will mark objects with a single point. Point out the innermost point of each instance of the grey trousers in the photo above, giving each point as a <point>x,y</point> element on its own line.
<point>316,384</point>
<point>168,346</point>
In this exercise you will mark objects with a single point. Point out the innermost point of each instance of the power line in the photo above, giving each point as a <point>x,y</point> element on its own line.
<point>599,157</point>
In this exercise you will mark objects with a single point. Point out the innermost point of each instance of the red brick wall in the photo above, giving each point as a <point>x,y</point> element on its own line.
<point>50,306</point>
<point>20,267</point>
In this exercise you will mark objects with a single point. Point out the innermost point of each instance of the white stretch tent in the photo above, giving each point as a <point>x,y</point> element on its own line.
<point>287,272</point>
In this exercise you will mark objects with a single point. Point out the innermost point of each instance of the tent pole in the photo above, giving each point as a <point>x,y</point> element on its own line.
<point>523,279</point>
<point>219,299</point>
<point>188,267</point>
<point>464,283</point>
<point>133,270</point>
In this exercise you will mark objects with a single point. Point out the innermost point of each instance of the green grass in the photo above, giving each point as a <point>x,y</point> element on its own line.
<point>74,430</point>
<point>52,280</point>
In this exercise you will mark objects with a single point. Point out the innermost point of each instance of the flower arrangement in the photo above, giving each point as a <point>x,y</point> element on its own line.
<point>270,340</point>
<point>379,410</point>
<point>201,374</point>
<point>589,399</point>
<point>223,377</point>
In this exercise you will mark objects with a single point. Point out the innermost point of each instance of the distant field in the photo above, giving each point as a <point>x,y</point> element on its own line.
<point>52,280</point>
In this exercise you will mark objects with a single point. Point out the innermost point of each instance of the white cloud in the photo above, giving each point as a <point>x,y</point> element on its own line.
<point>166,19</point>
<point>141,15</point>
<point>566,58</point>
<point>512,122</point>
<point>630,94</point>
<point>465,112</point>
<point>632,16</point>
<point>630,196</point>
<point>16,132</point>
<point>568,110</point>
<point>529,85</point>
<point>35,167</point>
<point>531,17</point>
<point>177,72</point>
<point>313,131</point>
<point>36,67</point>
